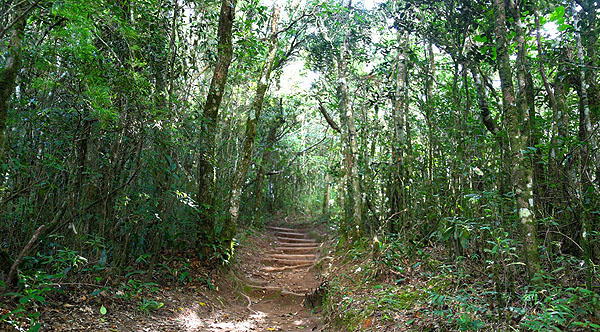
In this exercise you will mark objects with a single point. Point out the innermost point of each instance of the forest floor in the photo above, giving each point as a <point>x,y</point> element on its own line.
<point>264,290</point>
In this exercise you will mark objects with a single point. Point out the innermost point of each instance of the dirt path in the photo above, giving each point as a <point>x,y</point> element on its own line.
<point>277,284</point>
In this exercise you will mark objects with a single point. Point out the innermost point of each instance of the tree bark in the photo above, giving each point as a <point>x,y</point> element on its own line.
<point>398,199</point>
<point>206,163</point>
<point>517,125</point>
<point>328,118</point>
<point>588,155</point>
<point>326,195</point>
<point>486,116</point>
<point>8,73</point>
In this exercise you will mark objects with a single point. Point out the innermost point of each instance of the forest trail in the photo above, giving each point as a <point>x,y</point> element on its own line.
<point>275,286</point>
<point>263,290</point>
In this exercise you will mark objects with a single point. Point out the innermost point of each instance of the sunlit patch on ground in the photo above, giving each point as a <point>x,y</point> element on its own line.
<point>189,319</point>
<point>230,324</point>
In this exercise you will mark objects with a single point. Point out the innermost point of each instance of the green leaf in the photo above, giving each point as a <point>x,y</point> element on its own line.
<point>559,12</point>
<point>481,38</point>
<point>564,27</point>
<point>38,298</point>
<point>103,310</point>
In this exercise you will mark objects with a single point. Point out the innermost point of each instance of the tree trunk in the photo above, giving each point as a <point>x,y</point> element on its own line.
<point>326,195</point>
<point>587,157</point>
<point>517,125</point>
<point>230,227</point>
<point>8,73</point>
<point>398,199</point>
<point>206,163</point>
<point>354,198</point>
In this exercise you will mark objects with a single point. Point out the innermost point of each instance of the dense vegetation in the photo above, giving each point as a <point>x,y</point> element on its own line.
<point>129,129</point>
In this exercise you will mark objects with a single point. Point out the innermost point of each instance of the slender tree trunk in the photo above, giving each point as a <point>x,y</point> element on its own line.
<point>326,195</point>
<point>355,222</point>
<point>398,199</point>
<point>230,227</point>
<point>517,123</point>
<point>8,73</point>
<point>587,157</point>
<point>554,165</point>
<point>428,120</point>
<point>206,163</point>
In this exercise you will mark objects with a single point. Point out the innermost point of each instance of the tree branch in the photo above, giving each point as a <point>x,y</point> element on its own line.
<point>289,163</point>
<point>329,120</point>
<point>25,12</point>
<point>13,268</point>
<point>296,157</point>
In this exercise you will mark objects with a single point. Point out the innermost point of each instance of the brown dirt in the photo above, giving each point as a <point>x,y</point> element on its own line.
<point>263,291</point>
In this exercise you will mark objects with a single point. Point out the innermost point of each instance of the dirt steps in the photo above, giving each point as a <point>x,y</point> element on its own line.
<point>294,248</point>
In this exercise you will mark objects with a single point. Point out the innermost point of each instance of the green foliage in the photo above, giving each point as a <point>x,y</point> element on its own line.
<point>560,309</point>
<point>146,305</point>
<point>33,290</point>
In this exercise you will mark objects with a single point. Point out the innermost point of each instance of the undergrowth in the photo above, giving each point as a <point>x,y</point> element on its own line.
<point>389,286</point>
<point>87,277</point>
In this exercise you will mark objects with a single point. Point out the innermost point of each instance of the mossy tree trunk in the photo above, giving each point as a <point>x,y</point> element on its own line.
<point>206,163</point>
<point>517,117</point>
<point>8,73</point>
